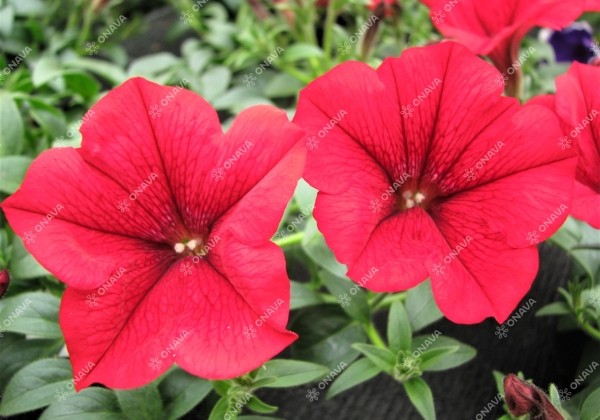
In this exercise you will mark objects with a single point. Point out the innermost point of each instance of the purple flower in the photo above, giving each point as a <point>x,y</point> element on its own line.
<point>573,43</point>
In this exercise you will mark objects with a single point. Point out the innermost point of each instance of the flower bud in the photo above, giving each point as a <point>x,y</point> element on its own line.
<point>4,280</point>
<point>524,398</point>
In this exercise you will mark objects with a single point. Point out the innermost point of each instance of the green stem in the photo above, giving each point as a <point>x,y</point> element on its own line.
<point>85,31</point>
<point>290,240</point>
<point>588,329</point>
<point>329,22</point>
<point>387,301</point>
<point>374,336</point>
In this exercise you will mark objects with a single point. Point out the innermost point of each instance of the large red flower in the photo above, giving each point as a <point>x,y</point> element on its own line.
<point>495,28</point>
<point>160,225</point>
<point>578,103</point>
<point>425,169</point>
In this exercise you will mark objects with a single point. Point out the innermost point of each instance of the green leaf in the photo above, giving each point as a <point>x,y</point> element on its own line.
<point>83,84</point>
<point>554,396</point>
<point>109,71</point>
<point>152,65</point>
<point>7,17</point>
<point>37,385</point>
<point>282,86</point>
<point>88,404</point>
<point>29,7</point>
<point>421,307</point>
<point>220,409</point>
<point>435,359</point>
<point>302,295</point>
<point>45,70</point>
<point>17,352</point>
<point>258,406</point>
<point>421,397</point>
<point>34,313</point>
<point>12,133</point>
<point>556,308</point>
<point>215,82</point>
<point>326,335</point>
<point>353,300</point>
<point>315,247</point>
<point>12,172</point>
<point>590,410</point>
<point>181,392</point>
<point>301,51</point>
<point>290,373</point>
<point>384,359</point>
<point>141,403</point>
<point>305,196</point>
<point>358,372</point>
<point>22,264</point>
<point>399,333</point>
<point>433,341</point>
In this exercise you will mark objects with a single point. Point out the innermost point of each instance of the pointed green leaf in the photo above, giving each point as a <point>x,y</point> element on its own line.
<point>220,409</point>
<point>261,407</point>
<point>553,309</point>
<point>12,133</point>
<point>34,313</point>
<point>181,392</point>
<point>12,172</point>
<point>590,410</point>
<point>141,403</point>
<point>88,404</point>
<point>435,340</point>
<point>421,307</point>
<point>288,373</point>
<point>421,397</point>
<point>349,295</point>
<point>399,333</point>
<point>382,358</point>
<point>435,359</point>
<point>37,385</point>
<point>358,372</point>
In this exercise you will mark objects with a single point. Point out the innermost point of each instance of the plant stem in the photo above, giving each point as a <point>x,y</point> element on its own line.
<point>329,22</point>
<point>374,336</point>
<point>290,240</point>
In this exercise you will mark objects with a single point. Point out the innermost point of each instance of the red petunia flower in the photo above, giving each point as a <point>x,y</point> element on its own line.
<point>160,225</point>
<point>494,28</point>
<point>424,169</point>
<point>578,103</point>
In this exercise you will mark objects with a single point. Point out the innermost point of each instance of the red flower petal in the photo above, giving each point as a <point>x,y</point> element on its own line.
<point>578,103</point>
<point>455,125</point>
<point>142,185</point>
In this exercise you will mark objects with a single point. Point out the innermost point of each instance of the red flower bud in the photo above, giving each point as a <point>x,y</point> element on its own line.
<point>4,280</point>
<point>525,398</point>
